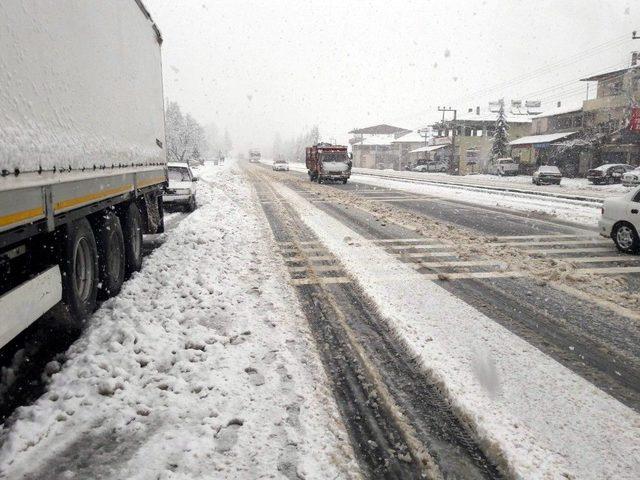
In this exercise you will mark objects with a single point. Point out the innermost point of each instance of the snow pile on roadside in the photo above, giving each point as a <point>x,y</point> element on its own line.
<point>576,213</point>
<point>578,186</point>
<point>541,418</point>
<point>203,367</point>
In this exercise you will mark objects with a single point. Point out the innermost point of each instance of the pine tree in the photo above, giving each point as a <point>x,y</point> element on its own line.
<point>501,135</point>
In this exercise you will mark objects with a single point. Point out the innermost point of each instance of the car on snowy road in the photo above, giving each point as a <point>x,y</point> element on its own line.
<point>609,173</point>
<point>182,186</point>
<point>431,166</point>
<point>631,178</point>
<point>280,165</point>
<point>620,221</point>
<point>547,175</point>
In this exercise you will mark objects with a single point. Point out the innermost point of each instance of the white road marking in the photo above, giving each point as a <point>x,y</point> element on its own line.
<point>461,263</point>
<point>609,270</point>
<point>618,258</point>
<point>592,241</point>
<point>551,236</point>
<point>398,240</point>
<point>556,251</point>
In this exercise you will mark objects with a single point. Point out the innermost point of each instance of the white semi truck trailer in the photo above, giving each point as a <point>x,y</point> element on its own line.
<point>82,159</point>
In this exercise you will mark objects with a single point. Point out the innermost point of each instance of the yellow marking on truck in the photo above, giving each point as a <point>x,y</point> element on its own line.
<point>72,202</point>
<point>21,216</point>
<point>151,181</point>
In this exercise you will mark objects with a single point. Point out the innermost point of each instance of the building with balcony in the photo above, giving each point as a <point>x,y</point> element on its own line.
<point>607,117</point>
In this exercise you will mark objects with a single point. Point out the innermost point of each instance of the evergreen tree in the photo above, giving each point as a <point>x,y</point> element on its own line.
<point>501,136</point>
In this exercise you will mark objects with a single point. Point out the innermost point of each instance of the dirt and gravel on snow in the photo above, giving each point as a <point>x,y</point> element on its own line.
<point>468,244</point>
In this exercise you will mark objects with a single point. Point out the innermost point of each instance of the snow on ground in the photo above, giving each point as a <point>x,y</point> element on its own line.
<point>577,186</point>
<point>576,212</point>
<point>203,367</point>
<point>545,421</point>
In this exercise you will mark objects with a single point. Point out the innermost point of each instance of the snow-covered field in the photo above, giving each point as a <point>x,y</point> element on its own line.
<point>203,367</point>
<point>544,420</point>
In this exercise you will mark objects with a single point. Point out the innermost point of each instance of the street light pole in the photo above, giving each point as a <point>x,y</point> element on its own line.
<point>454,165</point>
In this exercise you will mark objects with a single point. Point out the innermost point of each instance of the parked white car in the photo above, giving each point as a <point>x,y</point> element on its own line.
<point>632,178</point>
<point>503,166</point>
<point>621,221</point>
<point>182,186</point>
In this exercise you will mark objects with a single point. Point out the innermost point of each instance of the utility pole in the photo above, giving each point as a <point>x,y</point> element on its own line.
<point>454,165</point>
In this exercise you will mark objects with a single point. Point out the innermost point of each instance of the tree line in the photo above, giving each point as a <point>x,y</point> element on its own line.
<point>187,141</point>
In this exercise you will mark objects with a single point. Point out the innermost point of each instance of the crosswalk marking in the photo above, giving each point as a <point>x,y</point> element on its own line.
<point>609,270</point>
<point>551,236</point>
<point>617,258</point>
<point>592,241</point>
<point>461,263</point>
<point>398,240</point>
<point>556,251</point>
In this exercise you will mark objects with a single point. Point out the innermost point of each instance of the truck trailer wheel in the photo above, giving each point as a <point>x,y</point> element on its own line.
<point>111,262</point>
<point>79,266</point>
<point>132,229</point>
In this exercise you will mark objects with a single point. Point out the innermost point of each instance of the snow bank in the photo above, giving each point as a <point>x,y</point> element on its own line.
<point>577,186</point>
<point>203,367</point>
<point>545,421</point>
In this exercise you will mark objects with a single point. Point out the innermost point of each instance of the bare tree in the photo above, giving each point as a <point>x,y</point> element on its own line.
<point>185,136</point>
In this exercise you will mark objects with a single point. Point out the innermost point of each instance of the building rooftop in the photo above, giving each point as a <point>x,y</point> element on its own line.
<point>411,137</point>
<point>429,148</point>
<point>382,140</point>
<point>551,137</point>
<point>605,75</point>
<point>382,129</point>
<point>569,108</point>
<point>490,117</point>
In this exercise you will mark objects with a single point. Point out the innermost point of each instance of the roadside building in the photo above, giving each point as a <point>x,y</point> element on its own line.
<point>535,150</point>
<point>474,133</point>
<point>372,146</point>
<point>407,143</point>
<point>607,118</point>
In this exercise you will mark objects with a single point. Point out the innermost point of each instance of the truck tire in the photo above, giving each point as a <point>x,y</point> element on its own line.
<point>132,229</point>
<point>79,267</point>
<point>111,261</point>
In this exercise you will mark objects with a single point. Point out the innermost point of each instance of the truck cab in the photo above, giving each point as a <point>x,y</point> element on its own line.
<point>327,162</point>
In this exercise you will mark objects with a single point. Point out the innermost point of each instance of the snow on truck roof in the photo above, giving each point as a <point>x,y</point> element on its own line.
<point>178,165</point>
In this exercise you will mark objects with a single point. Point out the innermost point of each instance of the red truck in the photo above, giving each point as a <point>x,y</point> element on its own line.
<point>328,162</point>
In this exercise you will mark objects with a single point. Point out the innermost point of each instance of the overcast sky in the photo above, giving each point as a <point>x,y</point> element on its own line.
<point>261,67</point>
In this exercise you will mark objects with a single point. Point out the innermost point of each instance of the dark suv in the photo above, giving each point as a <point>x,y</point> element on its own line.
<point>609,173</point>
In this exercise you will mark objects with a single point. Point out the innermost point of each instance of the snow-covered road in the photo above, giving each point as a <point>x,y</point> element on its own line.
<point>203,367</point>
